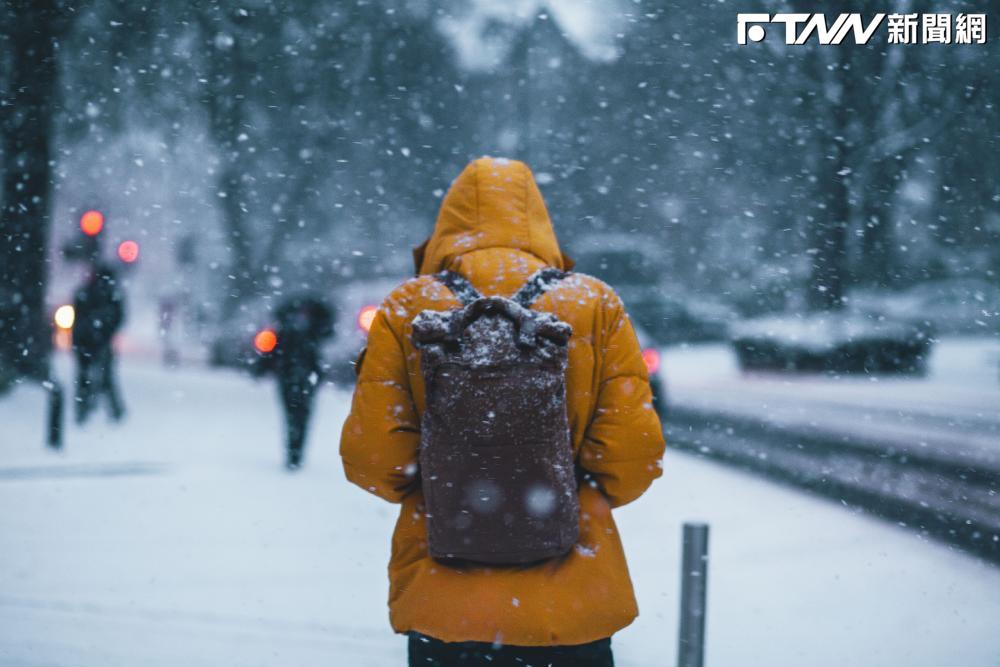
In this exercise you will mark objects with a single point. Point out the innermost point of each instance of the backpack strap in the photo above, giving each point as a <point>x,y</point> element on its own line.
<point>539,282</point>
<point>459,286</point>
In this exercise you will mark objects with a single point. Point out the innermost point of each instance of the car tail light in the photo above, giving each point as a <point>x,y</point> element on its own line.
<point>265,341</point>
<point>651,356</point>
<point>366,316</point>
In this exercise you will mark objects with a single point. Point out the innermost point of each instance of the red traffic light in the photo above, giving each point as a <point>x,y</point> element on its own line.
<point>128,251</point>
<point>92,222</point>
<point>265,341</point>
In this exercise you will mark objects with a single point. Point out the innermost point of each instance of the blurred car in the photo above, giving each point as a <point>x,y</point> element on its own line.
<point>633,267</point>
<point>356,304</point>
<point>958,305</point>
<point>652,357</point>
<point>679,319</point>
<point>232,344</point>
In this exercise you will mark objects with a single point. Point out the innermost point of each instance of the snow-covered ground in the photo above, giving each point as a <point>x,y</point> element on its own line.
<point>177,539</point>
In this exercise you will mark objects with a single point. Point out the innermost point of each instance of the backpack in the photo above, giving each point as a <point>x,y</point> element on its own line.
<point>496,461</point>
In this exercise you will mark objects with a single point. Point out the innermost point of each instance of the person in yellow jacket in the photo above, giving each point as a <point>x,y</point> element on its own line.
<point>493,229</point>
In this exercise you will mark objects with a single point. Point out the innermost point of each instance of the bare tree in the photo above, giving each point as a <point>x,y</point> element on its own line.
<point>28,108</point>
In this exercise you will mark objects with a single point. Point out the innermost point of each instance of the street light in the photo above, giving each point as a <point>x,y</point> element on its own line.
<point>65,317</point>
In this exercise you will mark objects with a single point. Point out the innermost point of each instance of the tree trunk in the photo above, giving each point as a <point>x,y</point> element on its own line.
<point>25,336</point>
<point>227,121</point>
<point>826,285</point>
<point>875,268</point>
<point>521,70</point>
<point>829,231</point>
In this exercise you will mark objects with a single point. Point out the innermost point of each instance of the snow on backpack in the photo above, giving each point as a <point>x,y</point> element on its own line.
<point>495,454</point>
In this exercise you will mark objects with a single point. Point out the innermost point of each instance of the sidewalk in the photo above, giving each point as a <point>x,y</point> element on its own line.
<point>176,538</point>
<point>796,580</point>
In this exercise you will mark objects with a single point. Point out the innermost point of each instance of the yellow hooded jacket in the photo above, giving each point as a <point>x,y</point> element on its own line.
<point>493,229</point>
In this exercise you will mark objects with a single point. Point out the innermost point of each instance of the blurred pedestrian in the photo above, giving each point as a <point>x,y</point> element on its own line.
<point>507,426</point>
<point>303,324</point>
<point>99,305</point>
<point>170,331</point>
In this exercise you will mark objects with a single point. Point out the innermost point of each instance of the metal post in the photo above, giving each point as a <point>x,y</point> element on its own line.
<point>55,420</point>
<point>694,583</point>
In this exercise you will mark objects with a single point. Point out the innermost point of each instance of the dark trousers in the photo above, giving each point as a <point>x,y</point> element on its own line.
<point>95,377</point>
<point>429,652</point>
<point>297,397</point>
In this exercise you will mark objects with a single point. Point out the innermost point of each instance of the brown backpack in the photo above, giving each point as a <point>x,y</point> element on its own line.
<point>496,462</point>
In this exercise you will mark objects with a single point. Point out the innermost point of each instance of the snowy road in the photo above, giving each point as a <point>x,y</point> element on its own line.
<point>176,538</point>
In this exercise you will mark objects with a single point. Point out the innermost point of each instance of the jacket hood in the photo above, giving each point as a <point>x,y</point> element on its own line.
<point>494,203</point>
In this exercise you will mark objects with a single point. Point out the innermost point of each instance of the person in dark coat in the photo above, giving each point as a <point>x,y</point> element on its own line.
<point>303,324</point>
<point>99,305</point>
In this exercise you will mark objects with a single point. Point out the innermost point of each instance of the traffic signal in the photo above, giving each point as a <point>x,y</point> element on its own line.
<point>92,222</point>
<point>128,251</point>
<point>265,341</point>
<point>85,247</point>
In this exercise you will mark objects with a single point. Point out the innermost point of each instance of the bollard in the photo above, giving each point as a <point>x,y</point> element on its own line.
<point>694,583</point>
<point>55,416</point>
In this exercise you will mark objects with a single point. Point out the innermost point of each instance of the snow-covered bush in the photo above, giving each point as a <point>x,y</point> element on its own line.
<point>837,341</point>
